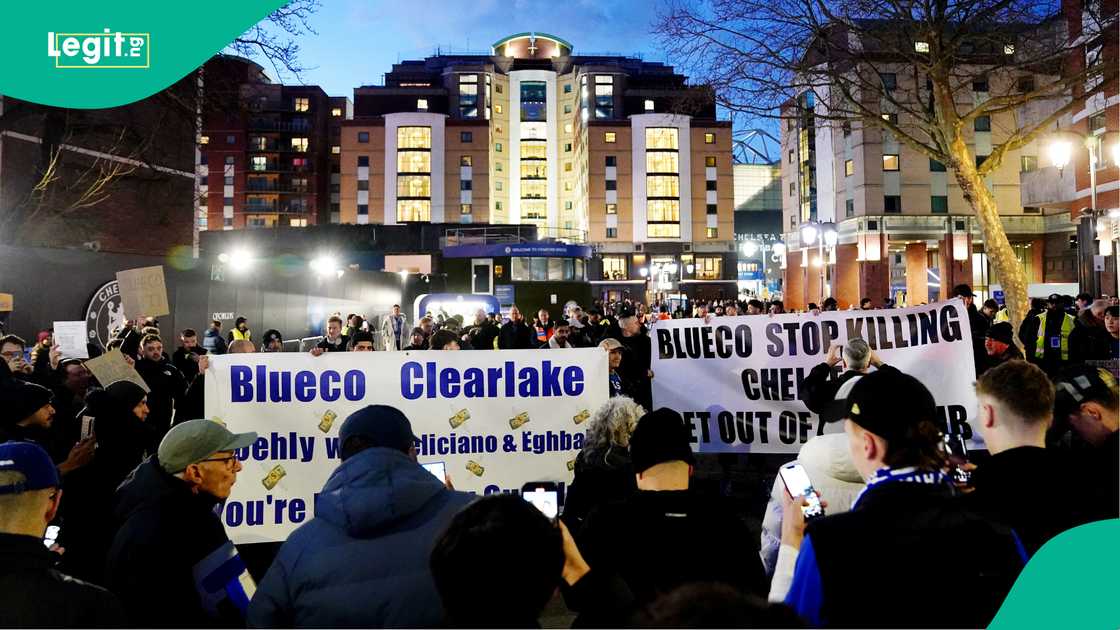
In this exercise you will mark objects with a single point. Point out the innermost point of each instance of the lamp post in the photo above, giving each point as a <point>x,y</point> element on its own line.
<point>1060,152</point>
<point>823,234</point>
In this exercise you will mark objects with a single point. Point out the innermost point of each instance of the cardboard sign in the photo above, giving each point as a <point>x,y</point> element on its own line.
<point>112,367</point>
<point>71,339</point>
<point>143,292</point>
<point>6,302</point>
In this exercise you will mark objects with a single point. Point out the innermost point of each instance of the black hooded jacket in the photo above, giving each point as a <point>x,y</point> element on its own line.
<point>122,443</point>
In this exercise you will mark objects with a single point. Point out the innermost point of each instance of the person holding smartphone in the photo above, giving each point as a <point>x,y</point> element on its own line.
<point>887,562</point>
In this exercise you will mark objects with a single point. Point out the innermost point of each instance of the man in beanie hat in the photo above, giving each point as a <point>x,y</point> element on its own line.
<point>886,562</point>
<point>1000,345</point>
<point>645,538</point>
<point>363,560</point>
<point>171,562</point>
<point>272,341</point>
<point>33,594</point>
<point>25,411</point>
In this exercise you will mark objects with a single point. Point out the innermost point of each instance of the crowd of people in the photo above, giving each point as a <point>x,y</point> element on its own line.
<point>109,493</point>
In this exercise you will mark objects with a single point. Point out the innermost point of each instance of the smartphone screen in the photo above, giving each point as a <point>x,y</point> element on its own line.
<point>545,495</point>
<point>50,536</point>
<point>438,470</point>
<point>796,479</point>
<point>798,484</point>
<point>957,452</point>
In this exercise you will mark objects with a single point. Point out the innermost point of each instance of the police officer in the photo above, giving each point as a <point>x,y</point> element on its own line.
<point>1051,349</point>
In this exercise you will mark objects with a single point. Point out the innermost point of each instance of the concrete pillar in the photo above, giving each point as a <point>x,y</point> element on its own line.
<point>953,272</point>
<point>845,278</point>
<point>794,293</point>
<point>1038,260</point>
<point>812,280</point>
<point>875,276</point>
<point>917,287</point>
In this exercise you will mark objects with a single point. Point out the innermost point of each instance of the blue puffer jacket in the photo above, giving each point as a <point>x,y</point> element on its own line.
<point>362,561</point>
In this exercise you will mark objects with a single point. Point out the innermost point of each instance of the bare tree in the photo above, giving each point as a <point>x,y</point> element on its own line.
<point>764,56</point>
<point>274,38</point>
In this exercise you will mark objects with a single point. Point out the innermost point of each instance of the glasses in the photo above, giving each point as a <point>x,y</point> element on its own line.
<point>11,354</point>
<point>229,461</point>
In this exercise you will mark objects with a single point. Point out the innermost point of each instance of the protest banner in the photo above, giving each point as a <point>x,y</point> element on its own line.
<point>495,419</point>
<point>143,292</point>
<point>112,367</point>
<point>736,380</point>
<point>71,339</point>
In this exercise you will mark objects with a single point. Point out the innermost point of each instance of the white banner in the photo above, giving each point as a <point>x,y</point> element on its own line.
<point>495,419</point>
<point>736,379</point>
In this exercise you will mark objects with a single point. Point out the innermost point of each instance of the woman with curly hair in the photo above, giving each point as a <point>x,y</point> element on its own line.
<point>603,472</point>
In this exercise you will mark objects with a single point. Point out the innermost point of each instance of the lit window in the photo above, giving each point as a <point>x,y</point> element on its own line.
<point>849,167</point>
<point>1009,49</point>
<point>414,137</point>
<point>422,104</point>
<point>259,163</point>
<point>661,138</point>
<point>465,160</point>
<point>567,167</point>
<point>662,162</point>
<point>414,186</point>
<point>710,161</point>
<point>612,208</point>
<point>891,118</point>
<point>649,105</point>
<point>299,144</point>
<point>336,111</point>
<point>890,162</point>
<point>709,138</point>
<point>568,187</point>
<point>335,149</point>
<point>497,147</point>
<point>567,127</point>
<point>464,208</point>
<point>662,186</point>
<point>713,232</point>
<point>414,210</point>
<point>298,222</point>
<point>609,137</point>
<point>498,106</point>
<point>414,161</point>
<point>204,139</point>
<point>709,267</point>
<point>302,104</point>
<point>922,47</point>
<point>1028,163</point>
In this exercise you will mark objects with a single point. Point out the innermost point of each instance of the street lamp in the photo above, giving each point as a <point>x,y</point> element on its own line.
<point>1060,152</point>
<point>808,233</point>
<point>750,248</point>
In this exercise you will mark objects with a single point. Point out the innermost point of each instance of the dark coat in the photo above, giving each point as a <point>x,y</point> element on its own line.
<point>635,366</point>
<point>601,476</point>
<point>654,542</point>
<point>482,336</point>
<point>1011,354</point>
<point>1090,340</point>
<point>978,325</point>
<point>213,343</point>
<point>167,389</point>
<point>887,562</point>
<point>187,361</point>
<point>363,560</point>
<point>820,387</point>
<point>123,441</point>
<point>516,336</point>
<point>171,549</point>
<point>1030,490</point>
<point>33,594</point>
<point>344,343</point>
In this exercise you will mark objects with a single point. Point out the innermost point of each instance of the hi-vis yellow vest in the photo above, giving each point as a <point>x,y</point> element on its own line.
<point>1040,343</point>
<point>237,334</point>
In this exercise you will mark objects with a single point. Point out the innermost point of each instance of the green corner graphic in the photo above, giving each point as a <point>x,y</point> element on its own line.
<point>1072,582</point>
<point>142,48</point>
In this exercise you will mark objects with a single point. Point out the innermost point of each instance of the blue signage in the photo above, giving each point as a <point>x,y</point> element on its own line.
<point>505,294</point>
<point>538,249</point>
<point>998,296</point>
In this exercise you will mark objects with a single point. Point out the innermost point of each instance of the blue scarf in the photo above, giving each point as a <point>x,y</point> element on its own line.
<point>911,474</point>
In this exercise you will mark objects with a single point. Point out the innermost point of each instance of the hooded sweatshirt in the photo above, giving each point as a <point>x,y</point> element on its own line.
<point>363,560</point>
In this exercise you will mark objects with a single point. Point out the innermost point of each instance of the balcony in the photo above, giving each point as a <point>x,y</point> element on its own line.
<point>269,124</point>
<point>1047,186</point>
<point>274,166</point>
<point>275,187</point>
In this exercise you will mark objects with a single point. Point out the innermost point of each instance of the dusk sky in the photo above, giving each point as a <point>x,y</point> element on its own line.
<point>358,41</point>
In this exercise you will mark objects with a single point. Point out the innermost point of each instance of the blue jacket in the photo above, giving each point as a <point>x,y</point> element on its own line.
<point>363,560</point>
